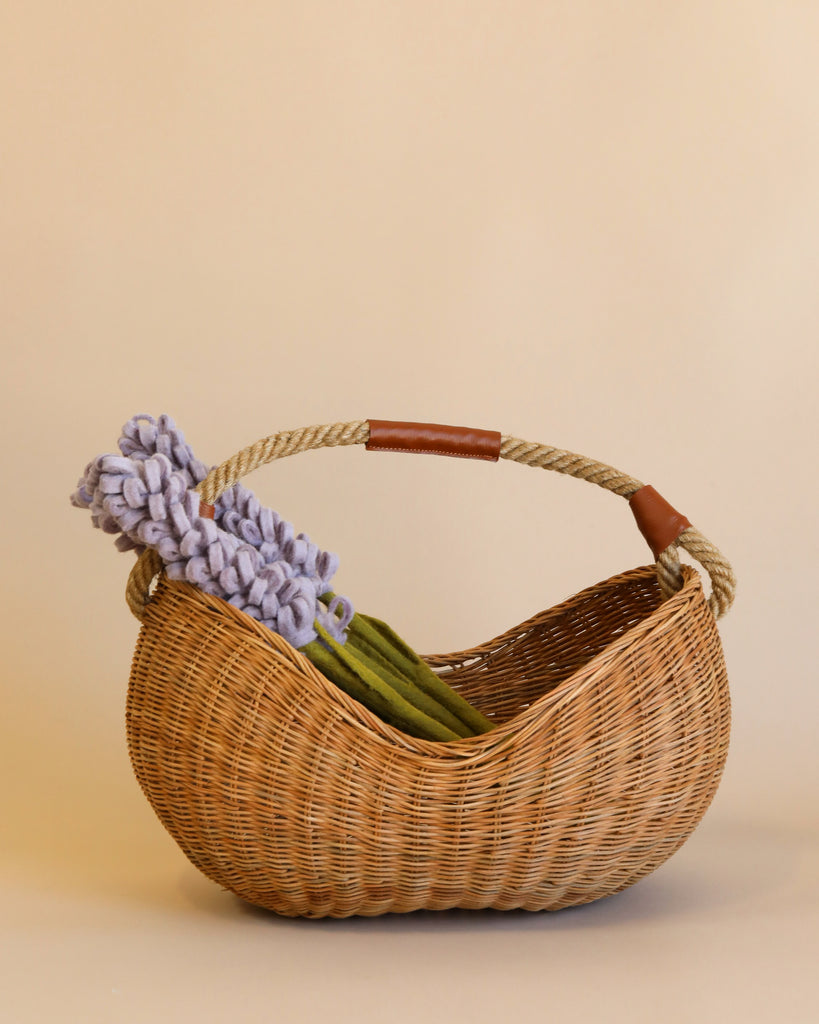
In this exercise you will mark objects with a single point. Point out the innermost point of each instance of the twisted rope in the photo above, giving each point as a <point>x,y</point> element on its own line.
<point>137,589</point>
<point>723,580</point>
<point>669,572</point>
<point>279,446</point>
<point>527,453</point>
<point>544,456</point>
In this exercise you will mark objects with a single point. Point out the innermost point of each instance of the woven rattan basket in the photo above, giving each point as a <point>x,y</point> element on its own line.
<point>613,714</point>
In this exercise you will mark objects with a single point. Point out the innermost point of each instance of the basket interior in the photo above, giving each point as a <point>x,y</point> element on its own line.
<point>507,674</point>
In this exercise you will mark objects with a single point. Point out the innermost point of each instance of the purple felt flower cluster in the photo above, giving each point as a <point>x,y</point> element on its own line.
<point>247,554</point>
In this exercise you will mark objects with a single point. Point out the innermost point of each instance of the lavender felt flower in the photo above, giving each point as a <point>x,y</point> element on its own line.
<point>247,554</point>
<point>237,511</point>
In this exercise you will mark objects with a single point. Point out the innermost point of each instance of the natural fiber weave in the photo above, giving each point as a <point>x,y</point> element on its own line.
<point>613,714</point>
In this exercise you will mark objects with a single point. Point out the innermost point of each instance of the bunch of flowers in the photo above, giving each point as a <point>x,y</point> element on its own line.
<point>249,556</point>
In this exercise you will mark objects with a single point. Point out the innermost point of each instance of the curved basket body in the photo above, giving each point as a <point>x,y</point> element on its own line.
<point>614,721</point>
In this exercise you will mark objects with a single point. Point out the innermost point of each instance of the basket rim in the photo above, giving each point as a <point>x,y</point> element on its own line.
<point>664,617</point>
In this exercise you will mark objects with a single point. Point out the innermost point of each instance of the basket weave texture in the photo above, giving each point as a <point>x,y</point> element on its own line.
<point>613,714</point>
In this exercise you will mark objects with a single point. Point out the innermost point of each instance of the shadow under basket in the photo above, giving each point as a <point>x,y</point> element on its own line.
<point>613,723</point>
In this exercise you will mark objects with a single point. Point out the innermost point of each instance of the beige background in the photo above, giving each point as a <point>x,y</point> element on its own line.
<point>590,224</point>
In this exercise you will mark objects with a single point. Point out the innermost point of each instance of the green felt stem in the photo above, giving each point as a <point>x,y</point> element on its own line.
<point>381,637</point>
<point>347,670</point>
<point>384,657</point>
<point>372,659</point>
<point>362,626</point>
<point>336,671</point>
<point>427,680</point>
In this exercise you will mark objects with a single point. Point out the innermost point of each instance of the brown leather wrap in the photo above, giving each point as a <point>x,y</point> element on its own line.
<point>433,439</point>
<point>660,523</point>
<point>207,511</point>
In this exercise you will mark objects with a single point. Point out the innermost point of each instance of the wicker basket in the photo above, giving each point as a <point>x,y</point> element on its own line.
<point>613,714</point>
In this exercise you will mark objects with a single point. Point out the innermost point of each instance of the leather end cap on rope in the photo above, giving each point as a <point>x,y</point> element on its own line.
<point>207,511</point>
<point>433,439</point>
<point>660,523</point>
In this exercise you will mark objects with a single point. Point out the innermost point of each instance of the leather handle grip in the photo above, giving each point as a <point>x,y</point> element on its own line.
<point>660,523</point>
<point>433,439</point>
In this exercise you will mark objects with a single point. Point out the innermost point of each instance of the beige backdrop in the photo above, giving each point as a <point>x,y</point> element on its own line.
<point>589,224</point>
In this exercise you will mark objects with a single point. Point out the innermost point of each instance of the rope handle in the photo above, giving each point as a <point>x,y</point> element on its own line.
<point>664,528</point>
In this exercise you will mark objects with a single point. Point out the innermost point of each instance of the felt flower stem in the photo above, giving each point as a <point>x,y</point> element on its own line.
<point>342,667</point>
<point>405,685</point>
<point>377,635</point>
